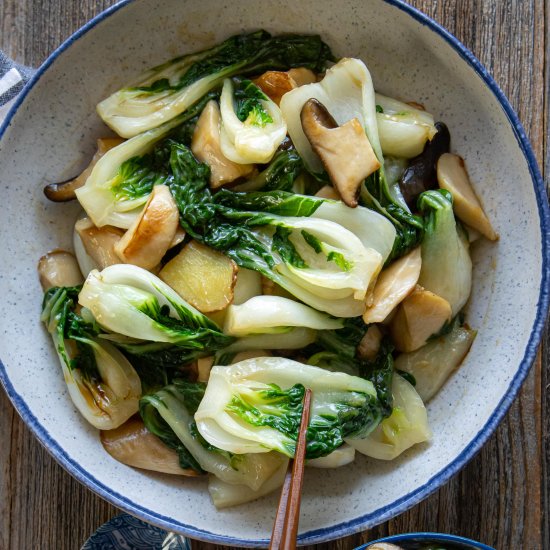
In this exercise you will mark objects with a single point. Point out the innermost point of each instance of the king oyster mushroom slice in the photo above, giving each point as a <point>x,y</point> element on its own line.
<point>453,176</point>
<point>275,84</point>
<point>65,191</point>
<point>393,285</point>
<point>59,268</point>
<point>99,242</point>
<point>345,151</point>
<point>152,233</point>
<point>206,147</point>
<point>420,315</point>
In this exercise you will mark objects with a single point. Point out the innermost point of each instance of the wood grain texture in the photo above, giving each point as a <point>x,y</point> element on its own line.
<point>502,497</point>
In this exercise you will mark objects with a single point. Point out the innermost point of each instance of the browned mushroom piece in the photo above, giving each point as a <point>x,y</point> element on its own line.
<point>345,151</point>
<point>65,191</point>
<point>275,84</point>
<point>99,242</point>
<point>151,235</point>
<point>453,176</point>
<point>134,445</point>
<point>420,315</point>
<point>370,343</point>
<point>206,147</point>
<point>59,268</point>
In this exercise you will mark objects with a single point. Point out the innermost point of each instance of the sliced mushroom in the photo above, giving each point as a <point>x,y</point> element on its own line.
<point>275,84</point>
<point>453,176</point>
<point>99,242</point>
<point>59,268</point>
<point>150,236</point>
<point>345,150</point>
<point>134,445</point>
<point>204,277</point>
<point>392,286</point>
<point>370,343</point>
<point>206,147</point>
<point>420,315</point>
<point>65,191</point>
<point>421,174</point>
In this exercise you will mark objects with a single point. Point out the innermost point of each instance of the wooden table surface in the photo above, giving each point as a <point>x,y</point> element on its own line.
<point>502,496</point>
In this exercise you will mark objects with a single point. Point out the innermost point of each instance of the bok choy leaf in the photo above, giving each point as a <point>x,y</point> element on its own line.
<point>134,303</point>
<point>102,384</point>
<point>169,412</point>
<point>169,89</point>
<point>256,405</point>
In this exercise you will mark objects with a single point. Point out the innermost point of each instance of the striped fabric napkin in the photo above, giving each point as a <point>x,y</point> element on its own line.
<point>12,79</point>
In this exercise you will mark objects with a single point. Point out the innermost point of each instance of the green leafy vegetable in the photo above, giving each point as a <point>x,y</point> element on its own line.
<point>167,90</point>
<point>256,405</point>
<point>169,414</point>
<point>102,384</point>
<point>279,175</point>
<point>446,263</point>
<point>132,302</point>
<point>121,181</point>
<point>249,106</point>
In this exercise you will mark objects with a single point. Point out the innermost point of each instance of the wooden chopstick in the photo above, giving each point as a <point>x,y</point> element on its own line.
<point>285,528</point>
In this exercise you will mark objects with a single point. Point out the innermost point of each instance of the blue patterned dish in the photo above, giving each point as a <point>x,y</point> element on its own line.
<point>126,532</point>
<point>439,541</point>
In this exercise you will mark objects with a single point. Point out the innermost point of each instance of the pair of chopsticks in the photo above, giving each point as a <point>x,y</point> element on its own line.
<point>285,528</point>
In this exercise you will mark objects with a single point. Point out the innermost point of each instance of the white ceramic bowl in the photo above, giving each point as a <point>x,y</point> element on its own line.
<point>50,135</point>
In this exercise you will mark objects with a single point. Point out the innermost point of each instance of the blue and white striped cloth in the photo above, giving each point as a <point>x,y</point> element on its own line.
<point>12,79</point>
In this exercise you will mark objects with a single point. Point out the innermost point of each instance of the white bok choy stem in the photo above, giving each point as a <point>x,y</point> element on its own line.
<point>132,302</point>
<point>407,425</point>
<point>102,384</point>
<point>251,470</point>
<point>337,265</point>
<point>122,179</point>
<point>255,406</point>
<point>274,314</point>
<point>403,129</point>
<point>255,139</point>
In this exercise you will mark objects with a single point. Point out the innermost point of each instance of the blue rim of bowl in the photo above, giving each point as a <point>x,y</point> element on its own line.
<point>429,538</point>
<point>414,497</point>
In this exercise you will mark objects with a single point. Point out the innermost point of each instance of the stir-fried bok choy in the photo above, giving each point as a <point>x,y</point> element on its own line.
<point>271,224</point>
<point>169,89</point>
<point>103,385</point>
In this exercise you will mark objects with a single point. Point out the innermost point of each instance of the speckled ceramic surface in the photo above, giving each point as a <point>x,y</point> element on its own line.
<point>51,136</point>
<point>126,532</point>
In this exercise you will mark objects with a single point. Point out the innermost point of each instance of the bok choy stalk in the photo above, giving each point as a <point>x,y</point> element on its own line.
<point>169,89</point>
<point>102,384</point>
<point>273,314</point>
<point>276,233</point>
<point>407,425</point>
<point>121,181</point>
<point>131,302</point>
<point>256,405</point>
<point>403,129</point>
<point>336,350</point>
<point>168,414</point>
<point>446,264</point>
<point>347,92</point>
<point>252,125</point>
